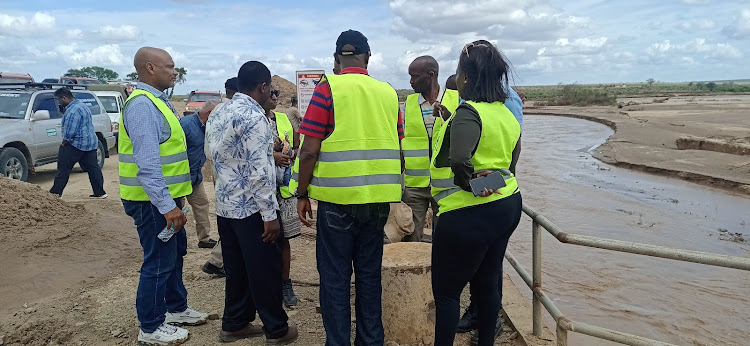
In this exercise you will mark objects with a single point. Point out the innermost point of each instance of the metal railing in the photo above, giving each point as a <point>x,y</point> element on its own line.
<point>563,324</point>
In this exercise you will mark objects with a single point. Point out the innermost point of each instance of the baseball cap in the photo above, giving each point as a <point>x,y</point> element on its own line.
<point>354,38</point>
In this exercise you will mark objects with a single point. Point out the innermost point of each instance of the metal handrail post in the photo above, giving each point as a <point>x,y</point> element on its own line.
<point>536,237</point>
<point>562,334</point>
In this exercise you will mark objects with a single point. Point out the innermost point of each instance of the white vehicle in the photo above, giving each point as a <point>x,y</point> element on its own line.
<point>30,126</point>
<point>112,102</point>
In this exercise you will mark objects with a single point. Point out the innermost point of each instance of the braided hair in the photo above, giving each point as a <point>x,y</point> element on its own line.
<point>486,71</point>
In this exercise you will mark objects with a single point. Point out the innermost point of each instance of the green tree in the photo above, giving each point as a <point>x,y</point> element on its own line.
<point>132,76</point>
<point>711,86</point>
<point>650,81</point>
<point>100,73</point>
<point>181,73</point>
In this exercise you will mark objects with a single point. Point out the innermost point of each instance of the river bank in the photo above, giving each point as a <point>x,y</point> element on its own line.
<point>702,139</point>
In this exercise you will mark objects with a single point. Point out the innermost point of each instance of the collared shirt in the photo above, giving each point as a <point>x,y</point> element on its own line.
<point>239,140</point>
<point>195,136</point>
<point>318,120</point>
<point>428,108</point>
<point>78,127</point>
<point>147,127</point>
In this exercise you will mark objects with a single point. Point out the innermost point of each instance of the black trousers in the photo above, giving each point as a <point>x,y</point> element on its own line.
<point>67,157</point>
<point>253,281</point>
<point>468,246</point>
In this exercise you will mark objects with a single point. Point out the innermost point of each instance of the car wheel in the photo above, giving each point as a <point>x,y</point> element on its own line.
<point>100,154</point>
<point>13,164</point>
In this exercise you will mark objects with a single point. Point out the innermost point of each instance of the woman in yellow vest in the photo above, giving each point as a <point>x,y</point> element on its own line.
<point>473,231</point>
<point>284,151</point>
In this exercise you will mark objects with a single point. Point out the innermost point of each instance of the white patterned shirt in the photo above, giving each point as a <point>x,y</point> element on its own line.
<point>239,140</point>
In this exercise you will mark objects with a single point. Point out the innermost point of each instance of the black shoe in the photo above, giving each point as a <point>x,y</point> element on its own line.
<point>469,321</point>
<point>211,269</point>
<point>498,331</point>
<point>290,299</point>
<point>207,244</point>
<point>102,196</point>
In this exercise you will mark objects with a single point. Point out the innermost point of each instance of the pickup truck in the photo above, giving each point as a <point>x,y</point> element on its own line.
<point>30,126</point>
<point>197,99</point>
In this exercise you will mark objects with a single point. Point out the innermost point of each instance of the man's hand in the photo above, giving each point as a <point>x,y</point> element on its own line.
<point>282,160</point>
<point>176,218</point>
<point>271,230</point>
<point>303,210</point>
<point>441,111</point>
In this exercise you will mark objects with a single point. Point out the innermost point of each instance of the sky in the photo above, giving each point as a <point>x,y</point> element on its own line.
<point>546,41</point>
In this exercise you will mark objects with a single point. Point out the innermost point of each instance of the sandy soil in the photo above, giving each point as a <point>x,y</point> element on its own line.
<point>71,278</point>
<point>704,139</point>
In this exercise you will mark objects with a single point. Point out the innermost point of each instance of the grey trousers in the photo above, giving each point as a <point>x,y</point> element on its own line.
<point>419,199</point>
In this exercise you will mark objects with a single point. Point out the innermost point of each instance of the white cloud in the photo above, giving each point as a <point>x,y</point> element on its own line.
<point>38,24</point>
<point>579,46</point>
<point>119,33</point>
<point>696,25</point>
<point>695,2</point>
<point>740,27</point>
<point>108,55</point>
<point>74,34</point>
<point>699,46</point>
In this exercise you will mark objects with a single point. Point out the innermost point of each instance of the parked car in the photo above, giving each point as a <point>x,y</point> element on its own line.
<point>6,77</point>
<point>68,79</point>
<point>112,101</point>
<point>30,126</point>
<point>197,99</point>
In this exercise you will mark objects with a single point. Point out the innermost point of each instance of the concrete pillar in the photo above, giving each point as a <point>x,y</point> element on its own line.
<point>408,306</point>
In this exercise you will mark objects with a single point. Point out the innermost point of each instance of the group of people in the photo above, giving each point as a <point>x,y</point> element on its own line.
<point>354,152</point>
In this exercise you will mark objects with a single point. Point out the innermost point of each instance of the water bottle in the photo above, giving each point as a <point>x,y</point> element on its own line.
<point>168,232</point>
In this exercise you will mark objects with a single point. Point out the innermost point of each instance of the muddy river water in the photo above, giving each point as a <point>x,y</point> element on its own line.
<point>676,302</point>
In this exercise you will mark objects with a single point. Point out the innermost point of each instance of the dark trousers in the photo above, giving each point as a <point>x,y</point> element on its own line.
<point>253,280</point>
<point>160,288</point>
<point>351,236</point>
<point>67,157</point>
<point>468,246</point>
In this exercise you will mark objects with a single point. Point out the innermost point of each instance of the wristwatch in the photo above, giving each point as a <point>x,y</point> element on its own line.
<point>300,195</point>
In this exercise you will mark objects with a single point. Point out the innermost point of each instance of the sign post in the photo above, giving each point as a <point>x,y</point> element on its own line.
<point>306,82</point>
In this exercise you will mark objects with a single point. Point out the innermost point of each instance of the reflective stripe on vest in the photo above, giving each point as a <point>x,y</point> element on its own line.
<point>359,162</point>
<point>172,155</point>
<point>500,133</point>
<point>416,143</point>
<point>284,127</point>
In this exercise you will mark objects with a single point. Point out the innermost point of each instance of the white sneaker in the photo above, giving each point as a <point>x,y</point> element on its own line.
<point>164,335</point>
<point>189,317</point>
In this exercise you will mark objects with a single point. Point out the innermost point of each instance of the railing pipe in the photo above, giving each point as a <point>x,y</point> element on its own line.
<point>543,298</point>
<point>536,238</point>
<point>638,248</point>
<point>612,335</point>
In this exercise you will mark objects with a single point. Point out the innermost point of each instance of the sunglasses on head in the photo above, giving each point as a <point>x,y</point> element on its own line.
<point>275,93</point>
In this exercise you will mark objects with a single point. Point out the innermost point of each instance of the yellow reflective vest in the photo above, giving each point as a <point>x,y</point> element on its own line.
<point>172,153</point>
<point>359,162</point>
<point>415,146</point>
<point>284,127</point>
<point>500,133</point>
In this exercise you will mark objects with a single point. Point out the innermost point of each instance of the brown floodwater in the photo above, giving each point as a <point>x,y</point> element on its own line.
<point>667,300</point>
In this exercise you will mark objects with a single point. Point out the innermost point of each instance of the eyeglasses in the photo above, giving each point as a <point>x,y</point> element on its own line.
<point>275,93</point>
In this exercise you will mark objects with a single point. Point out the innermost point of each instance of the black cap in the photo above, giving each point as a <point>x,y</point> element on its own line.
<point>354,38</point>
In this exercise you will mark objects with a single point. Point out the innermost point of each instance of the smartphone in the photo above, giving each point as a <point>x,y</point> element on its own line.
<point>494,181</point>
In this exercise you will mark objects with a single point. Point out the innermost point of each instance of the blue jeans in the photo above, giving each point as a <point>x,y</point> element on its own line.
<point>160,288</point>
<point>351,236</point>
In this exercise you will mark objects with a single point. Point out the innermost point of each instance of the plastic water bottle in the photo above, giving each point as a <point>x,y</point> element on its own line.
<point>168,232</point>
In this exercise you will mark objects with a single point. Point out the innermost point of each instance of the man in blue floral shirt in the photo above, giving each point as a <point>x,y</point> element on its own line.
<point>240,143</point>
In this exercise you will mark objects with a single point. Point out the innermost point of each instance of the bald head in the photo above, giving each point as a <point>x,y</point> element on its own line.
<point>155,67</point>
<point>207,108</point>
<point>424,73</point>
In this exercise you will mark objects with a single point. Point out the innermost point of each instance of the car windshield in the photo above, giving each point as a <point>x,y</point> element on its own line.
<point>204,97</point>
<point>84,81</point>
<point>13,105</point>
<point>14,80</point>
<point>109,103</point>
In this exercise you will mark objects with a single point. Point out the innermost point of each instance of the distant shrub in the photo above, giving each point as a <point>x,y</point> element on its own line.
<point>576,95</point>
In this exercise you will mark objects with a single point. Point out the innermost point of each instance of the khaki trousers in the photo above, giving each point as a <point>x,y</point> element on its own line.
<point>419,199</point>
<point>216,258</point>
<point>199,201</point>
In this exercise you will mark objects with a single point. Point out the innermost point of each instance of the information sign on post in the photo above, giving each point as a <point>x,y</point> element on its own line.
<point>306,82</point>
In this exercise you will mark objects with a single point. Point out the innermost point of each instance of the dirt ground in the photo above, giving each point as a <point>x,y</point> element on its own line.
<point>70,277</point>
<point>704,139</point>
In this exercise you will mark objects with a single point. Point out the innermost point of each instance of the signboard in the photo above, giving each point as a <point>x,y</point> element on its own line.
<point>306,82</point>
